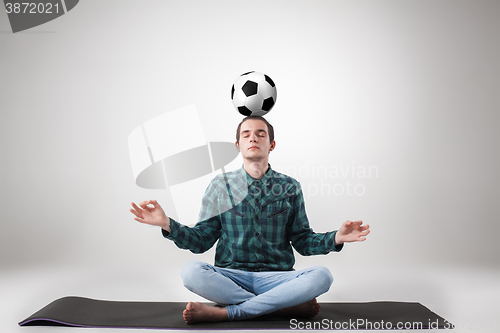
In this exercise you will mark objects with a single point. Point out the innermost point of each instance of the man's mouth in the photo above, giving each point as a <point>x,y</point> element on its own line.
<point>253,147</point>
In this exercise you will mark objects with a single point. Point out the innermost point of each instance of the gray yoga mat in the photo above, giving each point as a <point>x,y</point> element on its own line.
<point>85,312</point>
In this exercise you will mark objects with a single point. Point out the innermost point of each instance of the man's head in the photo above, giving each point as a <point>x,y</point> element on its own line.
<point>255,138</point>
<point>270,129</point>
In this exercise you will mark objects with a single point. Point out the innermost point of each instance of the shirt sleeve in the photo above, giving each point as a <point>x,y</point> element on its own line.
<point>303,238</point>
<point>205,233</point>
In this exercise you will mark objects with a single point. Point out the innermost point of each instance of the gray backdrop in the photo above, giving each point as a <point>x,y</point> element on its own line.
<point>405,93</point>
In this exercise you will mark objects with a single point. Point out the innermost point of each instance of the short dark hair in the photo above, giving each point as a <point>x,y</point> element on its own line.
<point>270,128</point>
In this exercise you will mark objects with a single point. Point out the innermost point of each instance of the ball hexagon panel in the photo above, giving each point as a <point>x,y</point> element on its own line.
<point>254,103</point>
<point>265,90</point>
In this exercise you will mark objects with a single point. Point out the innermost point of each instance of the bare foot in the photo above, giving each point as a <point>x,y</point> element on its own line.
<point>198,312</point>
<point>308,309</point>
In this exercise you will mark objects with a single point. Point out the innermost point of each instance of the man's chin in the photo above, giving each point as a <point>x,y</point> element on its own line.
<point>254,158</point>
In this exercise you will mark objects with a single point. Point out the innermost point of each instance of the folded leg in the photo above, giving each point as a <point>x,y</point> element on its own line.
<point>219,285</point>
<point>279,290</point>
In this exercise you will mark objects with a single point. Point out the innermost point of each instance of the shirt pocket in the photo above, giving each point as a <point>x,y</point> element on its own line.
<point>278,212</point>
<point>236,212</point>
<point>225,206</point>
<point>274,228</point>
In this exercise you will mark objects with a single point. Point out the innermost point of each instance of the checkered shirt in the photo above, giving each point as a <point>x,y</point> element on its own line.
<point>255,221</point>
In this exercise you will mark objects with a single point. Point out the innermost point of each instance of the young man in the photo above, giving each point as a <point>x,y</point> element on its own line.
<point>256,214</point>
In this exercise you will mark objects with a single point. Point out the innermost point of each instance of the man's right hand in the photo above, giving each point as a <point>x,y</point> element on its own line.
<point>152,215</point>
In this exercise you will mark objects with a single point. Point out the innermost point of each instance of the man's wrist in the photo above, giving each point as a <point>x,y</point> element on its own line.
<point>166,225</point>
<point>338,239</point>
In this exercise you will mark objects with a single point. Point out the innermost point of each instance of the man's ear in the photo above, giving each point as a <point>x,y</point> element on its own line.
<point>237,145</point>
<point>273,145</point>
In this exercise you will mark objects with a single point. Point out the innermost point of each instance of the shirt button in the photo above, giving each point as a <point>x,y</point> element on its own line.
<point>257,234</point>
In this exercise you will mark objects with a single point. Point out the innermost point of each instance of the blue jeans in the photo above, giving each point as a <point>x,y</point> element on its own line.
<point>250,294</point>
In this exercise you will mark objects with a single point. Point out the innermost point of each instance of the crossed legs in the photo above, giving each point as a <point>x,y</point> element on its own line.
<point>243,295</point>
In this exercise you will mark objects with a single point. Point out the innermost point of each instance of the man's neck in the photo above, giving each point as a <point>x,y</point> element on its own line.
<point>256,169</point>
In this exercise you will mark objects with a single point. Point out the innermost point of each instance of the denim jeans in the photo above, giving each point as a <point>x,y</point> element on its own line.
<point>250,294</point>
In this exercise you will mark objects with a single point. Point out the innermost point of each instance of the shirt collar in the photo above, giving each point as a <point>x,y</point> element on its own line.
<point>252,181</point>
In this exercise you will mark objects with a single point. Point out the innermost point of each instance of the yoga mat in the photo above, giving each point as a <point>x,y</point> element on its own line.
<point>86,312</point>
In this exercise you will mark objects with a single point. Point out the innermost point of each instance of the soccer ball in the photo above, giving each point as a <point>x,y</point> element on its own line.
<point>253,94</point>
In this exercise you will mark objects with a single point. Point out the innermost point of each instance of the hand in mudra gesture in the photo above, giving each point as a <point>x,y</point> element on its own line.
<point>150,212</point>
<point>352,231</point>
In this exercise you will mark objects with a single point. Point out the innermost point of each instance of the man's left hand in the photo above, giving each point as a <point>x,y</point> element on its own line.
<point>352,231</point>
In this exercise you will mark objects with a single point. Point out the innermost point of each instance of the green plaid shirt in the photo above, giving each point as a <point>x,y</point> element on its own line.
<point>255,221</point>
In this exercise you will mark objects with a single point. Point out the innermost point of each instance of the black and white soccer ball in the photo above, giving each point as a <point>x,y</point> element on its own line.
<point>253,94</point>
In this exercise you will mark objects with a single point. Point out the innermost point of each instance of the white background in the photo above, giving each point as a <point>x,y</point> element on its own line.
<point>408,87</point>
